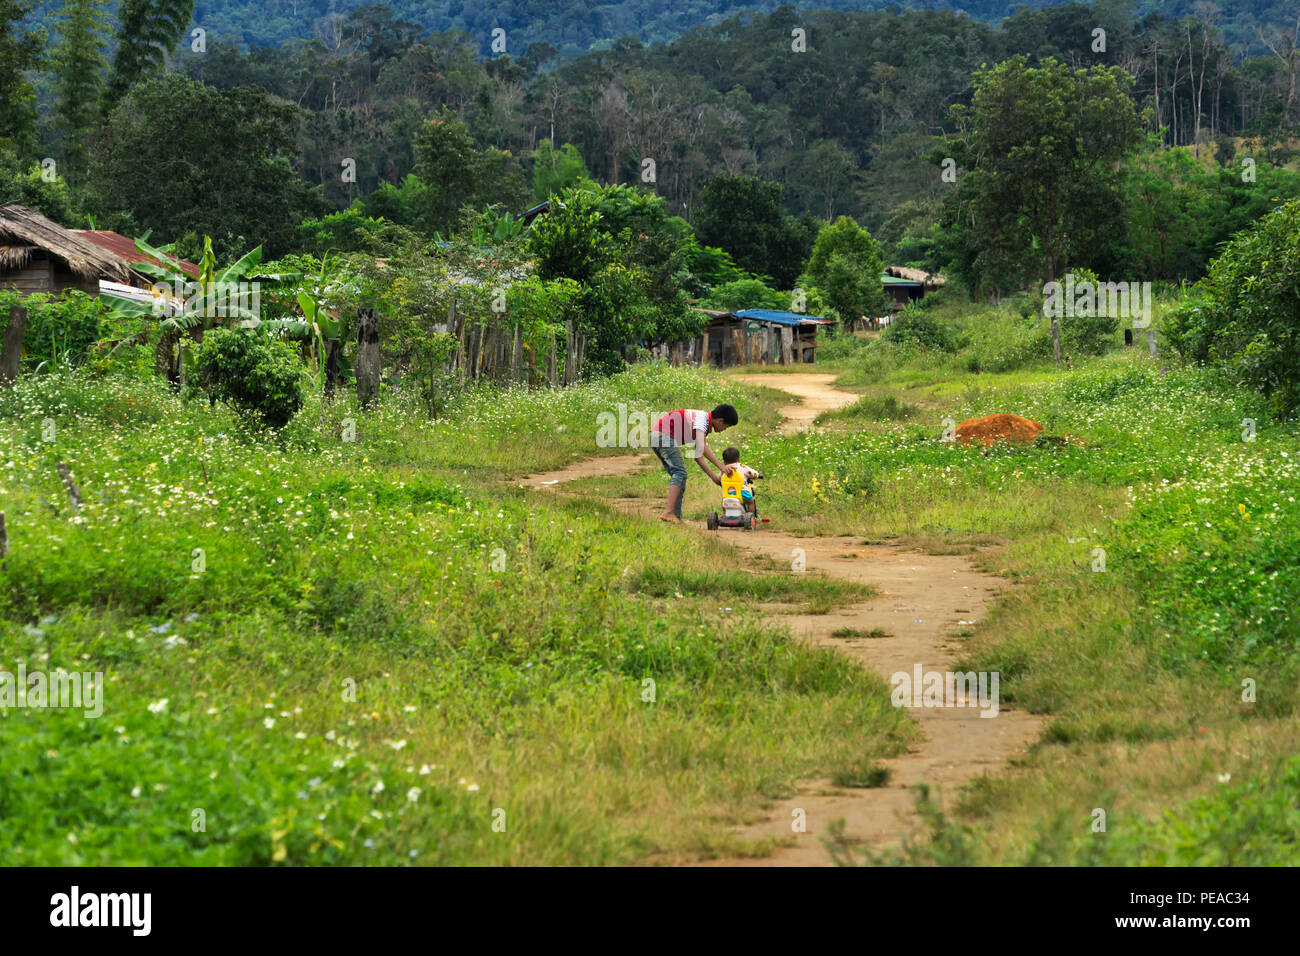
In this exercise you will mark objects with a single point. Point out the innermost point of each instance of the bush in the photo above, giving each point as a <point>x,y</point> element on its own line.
<point>1088,334</point>
<point>919,327</point>
<point>1249,319</point>
<point>60,329</point>
<point>261,379</point>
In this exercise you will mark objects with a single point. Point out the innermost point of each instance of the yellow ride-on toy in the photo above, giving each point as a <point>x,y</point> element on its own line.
<point>733,513</point>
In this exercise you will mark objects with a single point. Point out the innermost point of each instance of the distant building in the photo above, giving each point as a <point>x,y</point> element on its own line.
<point>748,337</point>
<point>904,285</point>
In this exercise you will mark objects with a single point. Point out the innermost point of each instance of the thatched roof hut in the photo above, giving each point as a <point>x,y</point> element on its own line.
<point>928,280</point>
<point>39,255</point>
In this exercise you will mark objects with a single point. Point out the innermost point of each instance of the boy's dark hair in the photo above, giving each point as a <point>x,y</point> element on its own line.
<point>727,414</point>
<point>731,456</point>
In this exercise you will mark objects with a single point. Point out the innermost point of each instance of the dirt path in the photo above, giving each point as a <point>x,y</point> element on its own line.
<point>817,392</point>
<point>920,601</point>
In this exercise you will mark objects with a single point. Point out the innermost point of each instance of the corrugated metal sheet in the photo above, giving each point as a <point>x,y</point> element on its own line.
<point>119,244</point>
<point>782,318</point>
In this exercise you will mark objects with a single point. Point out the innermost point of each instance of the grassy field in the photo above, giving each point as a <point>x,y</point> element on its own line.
<point>1156,617</point>
<point>383,651</point>
<point>380,651</point>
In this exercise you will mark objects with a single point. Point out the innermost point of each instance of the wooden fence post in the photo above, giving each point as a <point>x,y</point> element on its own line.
<point>555,348</point>
<point>456,325</point>
<point>11,348</point>
<point>332,349</point>
<point>568,352</point>
<point>74,493</point>
<point>1151,342</point>
<point>367,364</point>
<point>516,356</point>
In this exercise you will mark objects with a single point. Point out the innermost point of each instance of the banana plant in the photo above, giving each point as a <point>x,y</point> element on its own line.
<point>327,328</point>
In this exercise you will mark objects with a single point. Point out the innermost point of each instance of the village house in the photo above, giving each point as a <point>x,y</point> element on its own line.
<point>747,337</point>
<point>904,285</point>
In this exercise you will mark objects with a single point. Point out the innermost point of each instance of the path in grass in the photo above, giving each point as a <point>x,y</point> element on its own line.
<point>921,601</point>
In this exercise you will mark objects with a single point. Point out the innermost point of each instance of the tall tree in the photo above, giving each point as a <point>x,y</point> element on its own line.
<point>147,30</point>
<point>745,216</point>
<point>1039,145</point>
<point>157,162</point>
<point>79,63</point>
<point>846,266</point>
<point>20,51</point>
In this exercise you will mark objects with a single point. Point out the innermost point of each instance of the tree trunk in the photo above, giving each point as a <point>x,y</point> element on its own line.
<point>11,347</point>
<point>367,364</point>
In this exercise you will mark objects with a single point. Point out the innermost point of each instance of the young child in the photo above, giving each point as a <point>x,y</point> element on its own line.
<point>671,432</point>
<point>730,463</point>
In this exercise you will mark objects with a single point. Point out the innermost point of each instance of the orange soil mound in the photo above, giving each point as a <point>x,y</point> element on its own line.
<point>1000,427</point>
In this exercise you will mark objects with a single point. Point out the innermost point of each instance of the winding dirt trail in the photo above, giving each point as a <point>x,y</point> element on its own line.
<point>920,601</point>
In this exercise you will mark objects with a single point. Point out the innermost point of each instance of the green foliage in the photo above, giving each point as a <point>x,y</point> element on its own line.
<point>455,172</point>
<point>245,189</point>
<point>25,185</point>
<point>917,326</point>
<point>60,329</point>
<point>568,242</point>
<point>261,379</point>
<point>21,50</point>
<point>846,266</point>
<point>78,63</point>
<point>352,231</point>
<point>1038,185</point>
<point>1248,316</point>
<point>147,30</point>
<point>555,170</point>
<point>746,217</point>
<point>746,294</point>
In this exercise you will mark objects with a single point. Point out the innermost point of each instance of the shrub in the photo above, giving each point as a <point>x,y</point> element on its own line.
<point>917,326</point>
<point>60,329</point>
<point>1249,318</point>
<point>261,379</point>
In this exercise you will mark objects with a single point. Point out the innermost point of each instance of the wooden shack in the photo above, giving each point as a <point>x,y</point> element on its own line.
<point>747,337</point>
<point>903,284</point>
<point>39,255</point>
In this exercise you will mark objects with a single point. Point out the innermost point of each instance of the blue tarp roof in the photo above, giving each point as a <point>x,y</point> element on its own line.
<point>780,318</point>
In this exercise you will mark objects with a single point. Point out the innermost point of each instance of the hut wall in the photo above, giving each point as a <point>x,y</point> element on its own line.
<point>65,278</point>
<point>36,276</point>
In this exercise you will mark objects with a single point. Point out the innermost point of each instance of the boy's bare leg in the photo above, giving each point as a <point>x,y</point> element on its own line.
<point>674,504</point>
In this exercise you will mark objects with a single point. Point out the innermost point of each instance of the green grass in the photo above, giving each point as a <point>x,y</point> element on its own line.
<point>323,616</point>
<point>328,652</point>
<point>852,632</point>
<point>1140,665</point>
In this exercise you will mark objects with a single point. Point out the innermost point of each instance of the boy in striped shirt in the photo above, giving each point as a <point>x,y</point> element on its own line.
<point>688,426</point>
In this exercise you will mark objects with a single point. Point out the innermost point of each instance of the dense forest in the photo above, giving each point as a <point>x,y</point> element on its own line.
<point>841,113</point>
<point>574,28</point>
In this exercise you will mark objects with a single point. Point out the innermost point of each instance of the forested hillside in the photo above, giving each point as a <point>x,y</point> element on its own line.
<point>573,27</point>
